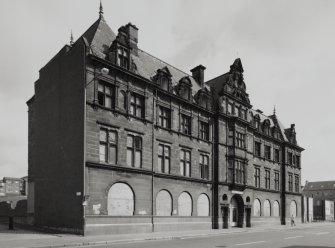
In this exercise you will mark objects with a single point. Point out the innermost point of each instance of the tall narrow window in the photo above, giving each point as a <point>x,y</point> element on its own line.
<point>276,180</point>
<point>240,140</point>
<point>122,57</point>
<point>108,146</point>
<point>204,130</point>
<point>185,124</point>
<point>185,163</point>
<point>204,159</point>
<point>164,158</point>
<point>106,96</point>
<point>297,160</point>
<point>164,117</point>
<point>237,111</point>
<point>289,158</point>
<point>123,100</point>
<point>137,105</point>
<point>290,182</point>
<point>296,183</point>
<point>257,177</point>
<point>134,151</point>
<point>276,155</point>
<point>229,108</point>
<point>239,172</point>
<point>267,152</point>
<point>267,179</point>
<point>257,148</point>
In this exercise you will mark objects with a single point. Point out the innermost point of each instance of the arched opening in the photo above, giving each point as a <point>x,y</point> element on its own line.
<point>184,204</point>
<point>293,209</point>
<point>203,205</point>
<point>163,203</point>
<point>120,201</point>
<point>267,208</point>
<point>247,199</point>
<point>257,207</point>
<point>236,211</point>
<point>276,209</point>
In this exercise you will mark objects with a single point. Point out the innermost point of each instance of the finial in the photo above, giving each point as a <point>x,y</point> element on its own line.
<point>71,39</point>
<point>101,10</point>
<point>274,109</point>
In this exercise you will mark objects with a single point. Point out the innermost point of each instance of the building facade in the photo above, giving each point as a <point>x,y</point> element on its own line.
<point>10,186</point>
<point>121,141</point>
<point>322,194</point>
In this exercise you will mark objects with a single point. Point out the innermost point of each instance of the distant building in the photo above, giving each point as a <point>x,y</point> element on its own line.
<point>323,194</point>
<point>121,141</point>
<point>10,186</point>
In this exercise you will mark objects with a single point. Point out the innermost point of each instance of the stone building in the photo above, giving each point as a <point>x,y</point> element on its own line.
<point>121,141</point>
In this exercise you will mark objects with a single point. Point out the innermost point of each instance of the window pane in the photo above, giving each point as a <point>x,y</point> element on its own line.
<point>201,159</point>
<point>108,90</point>
<point>132,109</point>
<point>187,169</point>
<point>112,136</point>
<point>138,142</point>
<point>102,153</point>
<point>159,164</point>
<point>100,87</point>
<point>139,111</point>
<point>188,156</point>
<point>138,159</point>
<point>160,150</point>
<point>182,154</point>
<point>132,99</point>
<point>181,168</point>
<point>167,151</point>
<point>129,141</point>
<point>108,102</point>
<point>129,157</point>
<point>101,98</point>
<point>112,154</point>
<point>167,165</point>
<point>103,135</point>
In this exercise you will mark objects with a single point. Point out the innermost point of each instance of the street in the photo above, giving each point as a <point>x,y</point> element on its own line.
<point>320,237</point>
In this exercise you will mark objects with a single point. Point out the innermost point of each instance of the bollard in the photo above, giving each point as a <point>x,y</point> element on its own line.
<point>11,223</point>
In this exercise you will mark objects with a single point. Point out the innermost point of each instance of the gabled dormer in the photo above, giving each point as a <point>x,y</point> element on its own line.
<point>184,88</point>
<point>235,82</point>
<point>203,98</point>
<point>123,46</point>
<point>291,134</point>
<point>163,79</point>
<point>256,121</point>
<point>266,127</point>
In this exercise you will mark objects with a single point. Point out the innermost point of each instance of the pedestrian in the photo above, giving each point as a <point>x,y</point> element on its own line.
<point>292,220</point>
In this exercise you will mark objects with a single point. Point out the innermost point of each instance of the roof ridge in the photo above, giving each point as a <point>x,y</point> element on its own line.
<point>164,62</point>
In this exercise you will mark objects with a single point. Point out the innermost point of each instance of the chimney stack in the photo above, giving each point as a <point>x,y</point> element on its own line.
<point>132,32</point>
<point>198,73</point>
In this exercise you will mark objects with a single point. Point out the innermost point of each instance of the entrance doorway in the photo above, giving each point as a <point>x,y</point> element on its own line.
<point>236,211</point>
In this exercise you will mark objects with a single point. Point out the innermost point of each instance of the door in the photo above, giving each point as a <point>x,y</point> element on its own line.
<point>234,213</point>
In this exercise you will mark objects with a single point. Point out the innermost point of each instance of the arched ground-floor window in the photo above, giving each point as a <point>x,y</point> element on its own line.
<point>293,209</point>
<point>184,204</point>
<point>203,205</point>
<point>163,203</point>
<point>276,209</point>
<point>267,208</point>
<point>120,201</point>
<point>257,207</point>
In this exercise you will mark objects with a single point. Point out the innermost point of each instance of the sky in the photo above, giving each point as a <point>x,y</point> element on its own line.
<point>287,48</point>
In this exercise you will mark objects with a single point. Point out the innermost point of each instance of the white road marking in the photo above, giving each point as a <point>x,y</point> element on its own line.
<point>322,233</point>
<point>256,242</point>
<point>294,237</point>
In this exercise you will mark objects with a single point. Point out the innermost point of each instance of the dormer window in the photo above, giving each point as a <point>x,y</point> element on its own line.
<point>266,127</point>
<point>123,57</point>
<point>165,83</point>
<point>184,88</point>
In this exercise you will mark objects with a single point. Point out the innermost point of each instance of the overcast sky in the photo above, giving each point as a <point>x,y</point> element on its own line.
<point>287,50</point>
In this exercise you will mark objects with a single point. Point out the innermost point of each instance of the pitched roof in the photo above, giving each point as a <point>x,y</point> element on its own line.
<point>99,36</point>
<point>321,185</point>
<point>147,66</point>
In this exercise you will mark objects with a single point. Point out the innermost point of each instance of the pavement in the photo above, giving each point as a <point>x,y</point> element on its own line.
<point>33,239</point>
